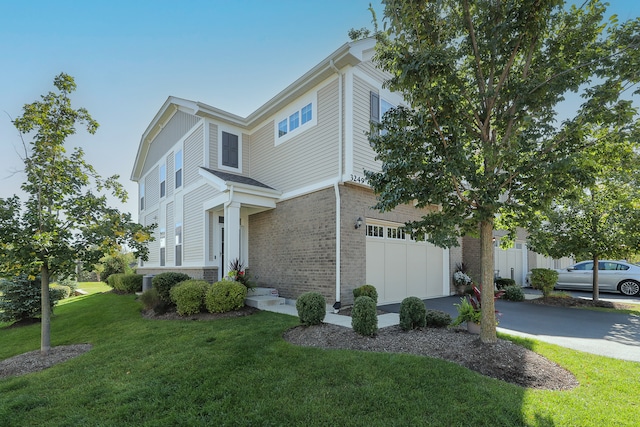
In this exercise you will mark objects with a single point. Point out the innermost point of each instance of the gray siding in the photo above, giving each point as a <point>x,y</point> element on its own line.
<point>363,154</point>
<point>193,224</point>
<point>172,132</point>
<point>152,188</point>
<point>303,160</point>
<point>370,69</point>
<point>193,156</point>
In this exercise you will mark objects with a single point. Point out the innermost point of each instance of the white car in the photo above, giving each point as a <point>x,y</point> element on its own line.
<point>613,276</point>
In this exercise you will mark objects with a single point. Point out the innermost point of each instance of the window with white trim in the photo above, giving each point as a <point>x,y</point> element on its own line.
<point>178,166</point>
<point>178,259</point>
<point>142,195</point>
<point>296,118</point>
<point>294,121</point>
<point>378,107</point>
<point>163,180</point>
<point>163,247</point>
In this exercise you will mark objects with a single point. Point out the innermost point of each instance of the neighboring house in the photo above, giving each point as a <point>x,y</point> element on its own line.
<point>283,190</point>
<point>513,262</point>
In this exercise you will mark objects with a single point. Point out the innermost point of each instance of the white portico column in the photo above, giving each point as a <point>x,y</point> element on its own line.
<point>231,234</point>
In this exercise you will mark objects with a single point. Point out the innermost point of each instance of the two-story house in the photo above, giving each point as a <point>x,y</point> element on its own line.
<point>283,191</point>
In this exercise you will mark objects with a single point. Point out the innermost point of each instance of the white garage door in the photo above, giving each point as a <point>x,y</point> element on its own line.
<point>400,267</point>
<point>511,263</point>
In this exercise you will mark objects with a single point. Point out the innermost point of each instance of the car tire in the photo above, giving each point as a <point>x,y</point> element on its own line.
<point>629,288</point>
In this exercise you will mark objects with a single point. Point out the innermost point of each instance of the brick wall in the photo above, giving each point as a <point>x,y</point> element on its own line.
<point>292,247</point>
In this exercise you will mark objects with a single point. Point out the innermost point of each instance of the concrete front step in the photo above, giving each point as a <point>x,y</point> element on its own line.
<point>253,292</point>
<point>263,301</point>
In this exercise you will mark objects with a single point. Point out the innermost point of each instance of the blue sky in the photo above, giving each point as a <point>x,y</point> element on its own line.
<point>127,57</point>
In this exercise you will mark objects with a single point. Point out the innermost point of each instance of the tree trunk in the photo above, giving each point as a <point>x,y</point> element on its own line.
<point>488,322</point>
<point>596,270</point>
<point>45,334</point>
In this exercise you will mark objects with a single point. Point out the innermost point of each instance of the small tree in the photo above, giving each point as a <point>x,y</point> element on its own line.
<point>544,279</point>
<point>65,218</point>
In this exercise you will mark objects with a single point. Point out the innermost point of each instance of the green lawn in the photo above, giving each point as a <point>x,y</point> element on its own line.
<point>241,372</point>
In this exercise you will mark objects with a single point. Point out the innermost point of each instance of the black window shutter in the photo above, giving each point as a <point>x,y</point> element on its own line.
<point>229,150</point>
<point>375,107</point>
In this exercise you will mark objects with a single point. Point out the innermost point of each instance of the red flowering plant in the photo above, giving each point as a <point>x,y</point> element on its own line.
<point>471,307</point>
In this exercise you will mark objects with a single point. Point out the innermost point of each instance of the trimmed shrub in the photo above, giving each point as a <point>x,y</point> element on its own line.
<point>20,299</point>
<point>544,279</point>
<point>513,293</point>
<point>312,308</point>
<point>70,283</point>
<point>366,291</point>
<point>151,300</point>
<point>163,283</point>
<point>503,282</point>
<point>60,292</point>
<point>437,319</point>
<point>224,296</point>
<point>364,316</point>
<point>128,283</point>
<point>412,313</point>
<point>188,296</point>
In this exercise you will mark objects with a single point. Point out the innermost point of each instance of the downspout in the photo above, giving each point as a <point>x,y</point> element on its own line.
<point>336,305</point>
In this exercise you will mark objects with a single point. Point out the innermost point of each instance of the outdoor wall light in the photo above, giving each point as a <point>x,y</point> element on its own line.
<point>358,223</point>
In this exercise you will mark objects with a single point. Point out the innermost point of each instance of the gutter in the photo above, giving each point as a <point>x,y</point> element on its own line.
<point>336,305</point>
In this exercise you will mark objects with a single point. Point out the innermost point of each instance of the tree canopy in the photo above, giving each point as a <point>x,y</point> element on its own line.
<point>599,219</point>
<point>478,136</point>
<point>65,218</point>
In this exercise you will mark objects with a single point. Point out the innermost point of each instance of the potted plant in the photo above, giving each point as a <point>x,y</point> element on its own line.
<point>461,280</point>
<point>469,314</point>
<point>470,310</point>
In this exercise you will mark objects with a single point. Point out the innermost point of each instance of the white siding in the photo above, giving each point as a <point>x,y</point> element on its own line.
<point>193,156</point>
<point>171,133</point>
<point>154,252</point>
<point>213,145</point>
<point>305,159</point>
<point>171,235</point>
<point>246,154</point>
<point>170,174</point>
<point>193,224</point>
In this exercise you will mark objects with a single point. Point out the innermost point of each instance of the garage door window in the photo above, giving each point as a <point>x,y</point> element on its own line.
<point>395,233</point>
<point>375,231</point>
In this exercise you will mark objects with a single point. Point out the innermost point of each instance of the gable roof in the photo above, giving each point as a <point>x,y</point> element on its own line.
<point>237,179</point>
<point>349,54</point>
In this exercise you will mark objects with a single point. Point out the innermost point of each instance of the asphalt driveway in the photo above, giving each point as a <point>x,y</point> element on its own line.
<point>608,334</point>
